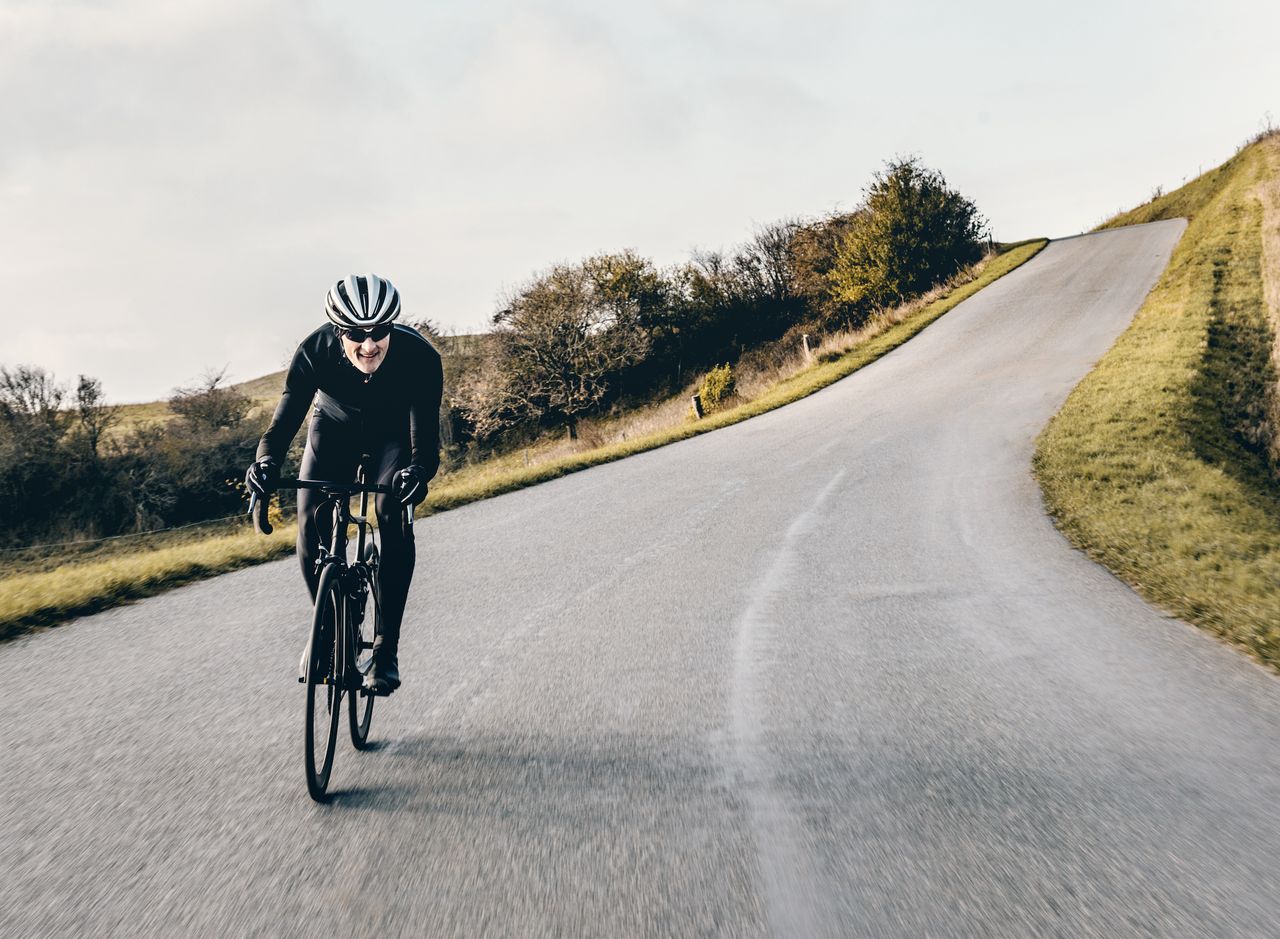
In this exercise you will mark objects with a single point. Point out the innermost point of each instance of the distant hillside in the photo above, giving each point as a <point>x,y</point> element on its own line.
<point>265,390</point>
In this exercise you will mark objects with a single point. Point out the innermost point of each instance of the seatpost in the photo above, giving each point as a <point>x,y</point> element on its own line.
<point>362,477</point>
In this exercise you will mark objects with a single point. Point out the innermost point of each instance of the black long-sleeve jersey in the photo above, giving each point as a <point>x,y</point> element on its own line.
<point>402,395</point>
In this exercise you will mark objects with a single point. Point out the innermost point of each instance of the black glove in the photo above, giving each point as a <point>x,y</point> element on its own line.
<point>261,476</point>
<point>410,485</point>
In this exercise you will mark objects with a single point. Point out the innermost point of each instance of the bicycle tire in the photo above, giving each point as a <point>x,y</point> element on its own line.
<point>324,691</point>
<point>360,706</point>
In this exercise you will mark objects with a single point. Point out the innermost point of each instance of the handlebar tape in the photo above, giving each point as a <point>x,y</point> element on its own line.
<point>258,512</point>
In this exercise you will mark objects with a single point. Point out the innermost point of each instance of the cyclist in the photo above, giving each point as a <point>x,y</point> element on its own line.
<point>376,389</point>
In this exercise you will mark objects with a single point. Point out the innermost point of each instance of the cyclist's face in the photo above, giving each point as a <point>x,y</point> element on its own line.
<point>367,355</point>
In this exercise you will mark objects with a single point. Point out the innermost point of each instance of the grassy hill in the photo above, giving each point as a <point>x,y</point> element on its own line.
<point>1162,463</point>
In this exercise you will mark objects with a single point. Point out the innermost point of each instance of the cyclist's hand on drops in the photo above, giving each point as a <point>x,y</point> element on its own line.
<point>409,485</point>
<point>261,476</point>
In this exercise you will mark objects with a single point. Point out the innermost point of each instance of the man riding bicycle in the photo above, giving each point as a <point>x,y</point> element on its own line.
<point>376,390</point>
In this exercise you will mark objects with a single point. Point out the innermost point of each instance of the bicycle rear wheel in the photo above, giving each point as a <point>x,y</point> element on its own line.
<point>324,690</point>
<point>360,706</point>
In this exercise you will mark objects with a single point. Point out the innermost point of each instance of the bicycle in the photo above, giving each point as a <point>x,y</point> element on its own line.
<point>342,631</point>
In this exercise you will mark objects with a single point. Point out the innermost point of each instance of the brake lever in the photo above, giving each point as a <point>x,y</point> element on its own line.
<point>258,512</point>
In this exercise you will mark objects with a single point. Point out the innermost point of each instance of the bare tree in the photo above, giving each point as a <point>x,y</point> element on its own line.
<point>92,413</point>
<point>209,405</point>
<point>427,327</point>
<point>770,256</point>
<point>562,341</point>
<point>31,416</point>
<point>483,397</point>
<point>814,250</point>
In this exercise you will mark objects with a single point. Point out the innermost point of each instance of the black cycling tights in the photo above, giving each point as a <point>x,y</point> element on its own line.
<point>333,453</point>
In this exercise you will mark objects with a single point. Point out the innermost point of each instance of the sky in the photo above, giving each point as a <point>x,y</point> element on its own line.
<point>182,180</point>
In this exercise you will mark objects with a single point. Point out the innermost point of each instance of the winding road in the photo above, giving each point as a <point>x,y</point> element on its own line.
<point>829,672</point>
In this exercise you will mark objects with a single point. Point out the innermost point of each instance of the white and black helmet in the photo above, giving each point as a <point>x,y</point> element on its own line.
<point>362,301</point>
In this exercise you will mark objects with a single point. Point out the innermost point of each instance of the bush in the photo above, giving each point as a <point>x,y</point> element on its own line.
<point>717,388</point>
<point>914,232</point>
<point>62,477</point>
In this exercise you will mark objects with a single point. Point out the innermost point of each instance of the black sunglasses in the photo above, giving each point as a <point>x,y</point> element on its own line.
<point>377,334</point>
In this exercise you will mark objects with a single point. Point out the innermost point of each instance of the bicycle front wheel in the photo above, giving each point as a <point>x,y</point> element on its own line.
<point>324,690</point>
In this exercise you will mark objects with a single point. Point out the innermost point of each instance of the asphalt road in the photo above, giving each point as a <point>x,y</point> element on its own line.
<point>828,672</point>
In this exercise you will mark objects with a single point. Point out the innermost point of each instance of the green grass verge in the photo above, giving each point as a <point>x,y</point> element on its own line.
<point>1157,465</point>
<point>46,597</point>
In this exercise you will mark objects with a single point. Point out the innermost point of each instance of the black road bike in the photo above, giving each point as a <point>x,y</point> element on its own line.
<point>347,617</point>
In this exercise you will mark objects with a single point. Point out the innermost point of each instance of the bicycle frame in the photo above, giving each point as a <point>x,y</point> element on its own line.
<point>340,505</point>
<point>356,577</point>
